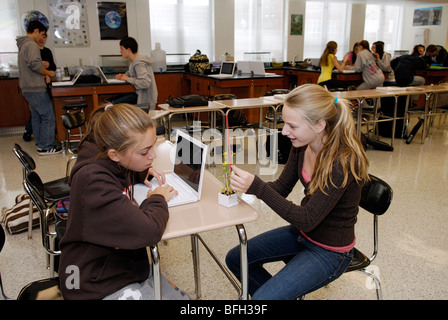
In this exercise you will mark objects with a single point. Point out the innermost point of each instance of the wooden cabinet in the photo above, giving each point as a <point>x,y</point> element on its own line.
<point>170,84</point>
<point>14,110</point>
<point>302,77</point>
<point>199,85</point>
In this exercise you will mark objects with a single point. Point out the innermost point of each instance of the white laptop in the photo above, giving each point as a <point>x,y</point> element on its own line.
<point>68,83</point>
<point>227,70</point>
<point>257,67</point>
<point>187,175</point>
<point>107,80</point>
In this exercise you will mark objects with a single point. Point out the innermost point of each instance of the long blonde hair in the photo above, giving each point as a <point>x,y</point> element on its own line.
<point>342,143</point>
<point>114,127</point>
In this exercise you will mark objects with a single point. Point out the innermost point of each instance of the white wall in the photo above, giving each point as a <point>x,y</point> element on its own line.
<point>139,28</point>
<point>437,34</point>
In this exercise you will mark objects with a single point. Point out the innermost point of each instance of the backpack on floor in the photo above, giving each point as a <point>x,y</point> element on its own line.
<point>16,218</point>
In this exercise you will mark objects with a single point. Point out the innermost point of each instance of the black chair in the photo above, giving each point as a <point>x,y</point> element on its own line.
<point>2,243</point>
<point>75,118</point>
<point>46,289</point>
<point>47,208</point>
<point>376,197</point>
<point>270,112</point>
<point>55,189</point>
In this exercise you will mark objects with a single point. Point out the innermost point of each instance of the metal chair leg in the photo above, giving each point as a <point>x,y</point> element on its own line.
<point>375,279</point>
<point>196,265</point>
<point>156,272</point>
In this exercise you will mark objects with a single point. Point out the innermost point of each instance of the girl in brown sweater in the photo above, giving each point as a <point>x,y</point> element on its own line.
<point>328,159</point>
<point>104,246</point>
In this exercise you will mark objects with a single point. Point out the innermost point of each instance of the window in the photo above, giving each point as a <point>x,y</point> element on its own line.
<point>182,27</point>
<point>260,27</point>
<point>383,24</point>
<point>326,21</point>
<point>9,30</point>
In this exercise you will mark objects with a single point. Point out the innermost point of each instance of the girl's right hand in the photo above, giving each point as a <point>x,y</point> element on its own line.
<point>167,191</point>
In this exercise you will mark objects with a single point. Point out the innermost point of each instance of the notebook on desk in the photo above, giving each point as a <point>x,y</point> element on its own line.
<point>105,79</point>
<point>68,83</point>
<point>227,70</point>
<point>187,174</point>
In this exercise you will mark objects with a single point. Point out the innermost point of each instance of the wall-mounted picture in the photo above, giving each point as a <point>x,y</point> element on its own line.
<point>113,20</point>
<point>427,16</point>
<point>296,24</point>
<point>69,23</point>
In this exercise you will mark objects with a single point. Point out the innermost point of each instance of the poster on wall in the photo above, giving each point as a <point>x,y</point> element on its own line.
<point>427,16</point>
<point>69,24</point>
<point>296,24</point>
<point>113,20</point>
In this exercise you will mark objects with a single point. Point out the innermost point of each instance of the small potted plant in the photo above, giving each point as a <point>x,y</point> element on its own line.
<point>227,197</point>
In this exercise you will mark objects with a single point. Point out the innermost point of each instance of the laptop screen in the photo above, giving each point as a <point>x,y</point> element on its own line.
<point>188,163</point>
<point>227,67</point>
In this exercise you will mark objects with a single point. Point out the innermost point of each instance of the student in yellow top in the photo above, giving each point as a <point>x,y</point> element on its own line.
<point>327,63</point>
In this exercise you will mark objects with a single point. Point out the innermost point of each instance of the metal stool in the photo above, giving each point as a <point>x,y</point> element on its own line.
<point>75,118</point>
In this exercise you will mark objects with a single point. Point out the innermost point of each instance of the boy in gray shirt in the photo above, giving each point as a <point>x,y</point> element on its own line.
<point>34,88</point>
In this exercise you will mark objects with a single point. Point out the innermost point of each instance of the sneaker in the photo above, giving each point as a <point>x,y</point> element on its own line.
<point>27,136</point>
<point>54,150</point>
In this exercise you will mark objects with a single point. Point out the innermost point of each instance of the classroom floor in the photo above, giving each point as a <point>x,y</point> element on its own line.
<point>413,257</point>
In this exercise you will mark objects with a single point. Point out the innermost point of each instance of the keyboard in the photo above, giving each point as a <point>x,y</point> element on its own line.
<point>184,191</point>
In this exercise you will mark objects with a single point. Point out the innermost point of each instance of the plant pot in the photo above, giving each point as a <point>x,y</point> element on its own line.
<point>227,200</point>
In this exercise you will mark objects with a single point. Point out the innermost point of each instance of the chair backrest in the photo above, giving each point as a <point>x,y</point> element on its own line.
<point>276,91</point>
<point>24,157</point>
<point>376,196</point>
<point>2,237</point>
<point>73,120</point>
<point>224,96</point>
<point>35,189</point>
<point>2,243</point>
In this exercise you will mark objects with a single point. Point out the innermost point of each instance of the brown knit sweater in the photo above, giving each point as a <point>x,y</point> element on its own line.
<point>326,218</point>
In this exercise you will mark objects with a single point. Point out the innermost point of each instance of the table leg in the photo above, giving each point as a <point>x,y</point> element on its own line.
<point>196,266</point>
<point>425,119</point>
<point>156,272</point>
<point>394,122</point>
<point>243,262</point>
<point>169,125</point>
<point>358,129</point>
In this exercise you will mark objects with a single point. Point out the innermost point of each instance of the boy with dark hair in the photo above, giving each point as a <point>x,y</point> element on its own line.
<point>140,75</point>
<point>34,88</point>
<point>436,54</point>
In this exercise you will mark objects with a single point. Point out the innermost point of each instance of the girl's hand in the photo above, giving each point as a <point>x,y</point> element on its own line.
<point>167,191</point>
<point>240,180</point>
<point>159,175</point>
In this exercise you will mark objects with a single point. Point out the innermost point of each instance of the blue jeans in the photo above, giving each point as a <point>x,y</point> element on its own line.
<point>42,118</point>
<point>308,266</point>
